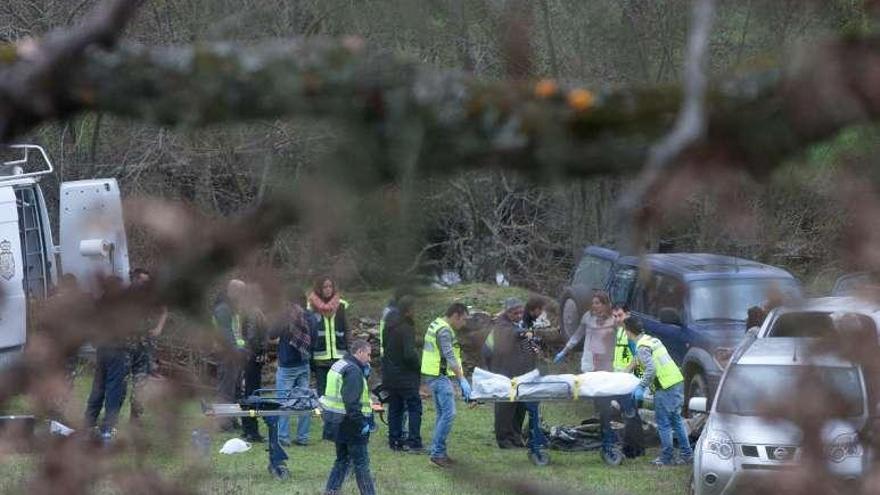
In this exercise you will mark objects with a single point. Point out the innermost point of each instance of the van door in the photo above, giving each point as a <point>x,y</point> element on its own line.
<point>13,305</point>
<point>93,241</point>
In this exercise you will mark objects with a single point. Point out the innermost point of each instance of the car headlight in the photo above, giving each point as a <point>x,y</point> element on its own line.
<point>844,446</point>
<point>719,443</point>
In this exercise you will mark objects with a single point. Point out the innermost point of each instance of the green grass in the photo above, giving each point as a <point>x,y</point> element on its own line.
<point>486,469</point>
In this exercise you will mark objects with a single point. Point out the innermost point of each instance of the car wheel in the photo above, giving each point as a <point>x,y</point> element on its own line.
<point>697,387</point>
<point>571,317</point>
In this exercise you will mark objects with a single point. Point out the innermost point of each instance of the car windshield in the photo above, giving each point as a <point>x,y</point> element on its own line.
<point>730,299</point>
<point>748,389</point>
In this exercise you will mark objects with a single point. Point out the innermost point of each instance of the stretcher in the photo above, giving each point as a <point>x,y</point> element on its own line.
<point>569,394</point>
<point>267,404</point>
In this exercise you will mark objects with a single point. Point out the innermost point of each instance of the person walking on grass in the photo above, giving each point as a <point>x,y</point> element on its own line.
<point>332,339</point>
<point>400,377</point>
<point>348,418</point>
<point>151,322</point>
<point>296,335</point>
<point>663,376</point>
<point>441,360</point>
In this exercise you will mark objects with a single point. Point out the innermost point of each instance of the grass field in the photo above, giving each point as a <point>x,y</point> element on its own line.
<point>485,468</point>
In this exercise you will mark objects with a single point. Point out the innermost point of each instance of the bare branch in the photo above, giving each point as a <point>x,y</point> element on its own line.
<point>690,125</point>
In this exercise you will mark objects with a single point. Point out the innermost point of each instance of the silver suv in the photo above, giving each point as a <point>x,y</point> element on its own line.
<point>739,447</point>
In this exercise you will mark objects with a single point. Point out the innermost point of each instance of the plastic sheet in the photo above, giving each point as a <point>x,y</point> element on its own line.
<point>606,384</point>
<point>533,386</point>
<point>549,386</point>
<point>488,385</point>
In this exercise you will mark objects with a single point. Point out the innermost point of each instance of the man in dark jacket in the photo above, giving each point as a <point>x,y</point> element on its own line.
<point>226,316</point>
<point>401,371</point>
<point>255,335</point>
<point>509,360</point>
<point>516,353</point>
<point>348,418</point>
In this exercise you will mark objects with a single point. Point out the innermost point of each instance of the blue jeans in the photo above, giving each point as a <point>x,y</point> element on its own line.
<point>287,379</point>
<point>108,387</point>
<point>400,402</point>
<point>609,438</point>
<point>277,455</point>
<point>667,407</point>
<point>444,402</point>
<point>537,440</point>
<point>346,455</point>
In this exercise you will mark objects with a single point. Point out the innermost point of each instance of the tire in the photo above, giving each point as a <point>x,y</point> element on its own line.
<point>569,316</point>
<point>697,386</point>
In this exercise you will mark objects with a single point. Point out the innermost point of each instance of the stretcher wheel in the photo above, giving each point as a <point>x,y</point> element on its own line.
<point>613,457</point>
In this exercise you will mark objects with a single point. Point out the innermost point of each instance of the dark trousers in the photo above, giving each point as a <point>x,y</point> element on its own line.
<point>509,417</point>
<point>633,436</point>
<point>229,382</point>
<point>537,439</point>
<point>141,361</point>
<point>277,455</point>
<point>609,438</point>
<point>108,386</point>
<point>253,379</point>
<point>321,370</point>
<point>404,402</point>
<point>346,455</point>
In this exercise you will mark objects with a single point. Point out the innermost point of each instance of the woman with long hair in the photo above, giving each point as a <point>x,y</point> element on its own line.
<point>597,331</point>
<point>331,343</point>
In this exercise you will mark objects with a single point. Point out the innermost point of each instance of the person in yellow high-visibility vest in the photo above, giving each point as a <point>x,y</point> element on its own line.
<point>227,318</point>
<point>663,376</point>
<point>332,339</point>
<point>441,360</point>
<point>348,418</point>
<point>625,361</point>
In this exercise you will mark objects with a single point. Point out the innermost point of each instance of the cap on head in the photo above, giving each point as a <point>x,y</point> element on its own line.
<point>512,303</point>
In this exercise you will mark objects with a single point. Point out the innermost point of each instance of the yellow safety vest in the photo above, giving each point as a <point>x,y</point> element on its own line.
<point>490,340</point>
<point>332,401</point>
<point>382,335</point>
<point>433,362</point>
<point>667,371</point>
<point>622,354</point>
<point>334,341</point>
<point>236,329</point>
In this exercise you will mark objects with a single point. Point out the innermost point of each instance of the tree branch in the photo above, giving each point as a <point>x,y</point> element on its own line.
<point>541,130</point>
<point>690,126</point>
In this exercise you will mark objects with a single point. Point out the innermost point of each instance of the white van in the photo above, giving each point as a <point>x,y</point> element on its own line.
<point>91,231</point>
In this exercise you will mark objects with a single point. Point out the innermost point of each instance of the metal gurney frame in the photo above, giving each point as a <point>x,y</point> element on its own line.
<point>612,459</point>
<point>243,409</point>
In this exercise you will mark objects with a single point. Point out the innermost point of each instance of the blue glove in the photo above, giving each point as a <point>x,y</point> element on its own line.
<point>371,421</point>
<point>638,394</point>
<point>366,429</point>
<point>559,357</point>
<point>465,388</point>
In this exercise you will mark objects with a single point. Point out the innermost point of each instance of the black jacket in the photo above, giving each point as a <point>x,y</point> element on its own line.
<point>510,357</point>
<point>341,327</point>
<point>347,428</point>
<point>402,362</point>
